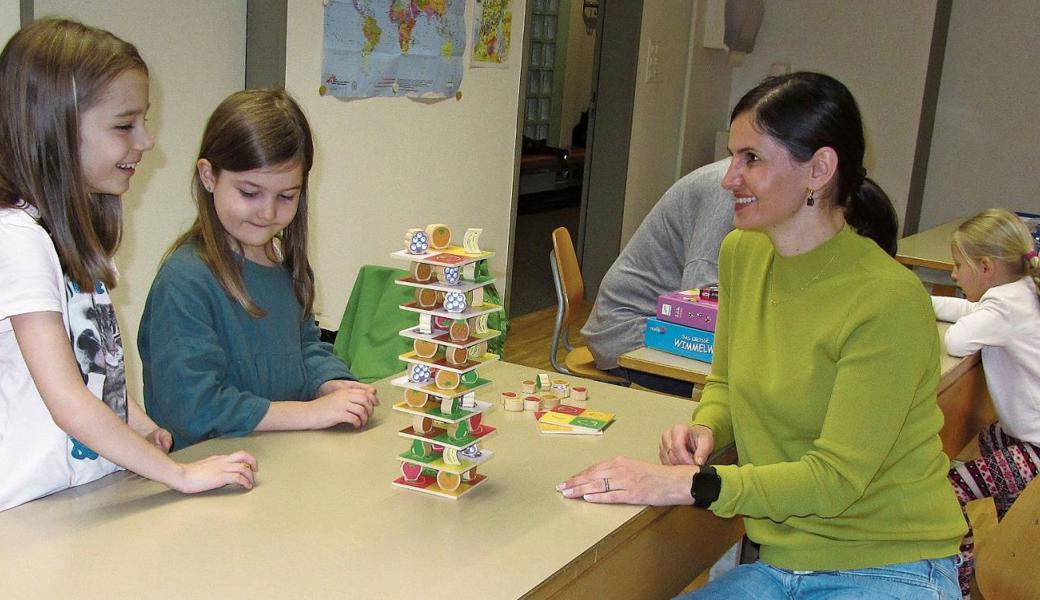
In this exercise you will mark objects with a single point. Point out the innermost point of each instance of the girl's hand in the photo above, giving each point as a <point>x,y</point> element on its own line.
<point>217,471</point>
<point>627,481</point>
<point>336,384</point>
<point>686,444</point>
<point>345,404</point>
<point>160,438</point>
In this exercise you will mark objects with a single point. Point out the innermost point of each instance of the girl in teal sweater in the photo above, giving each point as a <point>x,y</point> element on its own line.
<point>228,338</point>
<point>824,375</point>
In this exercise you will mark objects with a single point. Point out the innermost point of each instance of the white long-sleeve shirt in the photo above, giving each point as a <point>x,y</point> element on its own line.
<point>1005,325</point>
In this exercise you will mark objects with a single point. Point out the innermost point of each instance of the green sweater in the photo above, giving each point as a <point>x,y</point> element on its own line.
<point>825,371</point>
<point>211,369</point>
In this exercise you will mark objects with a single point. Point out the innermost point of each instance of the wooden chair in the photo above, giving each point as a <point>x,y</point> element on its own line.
<point>570,291</point>
<point>1006,559</point>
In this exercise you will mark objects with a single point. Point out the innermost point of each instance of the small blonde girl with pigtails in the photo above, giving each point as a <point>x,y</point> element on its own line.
<point>996,265</point>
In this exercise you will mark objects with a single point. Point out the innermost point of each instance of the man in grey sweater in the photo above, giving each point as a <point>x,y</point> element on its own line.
<point>675,248</point>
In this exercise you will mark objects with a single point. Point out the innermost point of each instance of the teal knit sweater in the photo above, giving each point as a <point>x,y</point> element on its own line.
<point>211,369</point>
<point>825,371</point>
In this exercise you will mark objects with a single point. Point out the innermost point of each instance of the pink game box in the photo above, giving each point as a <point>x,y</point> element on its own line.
<point>688,308</point>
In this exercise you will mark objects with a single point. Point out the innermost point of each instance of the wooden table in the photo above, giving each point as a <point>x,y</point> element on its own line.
<point>929,248</point>
<point>649,360</point>
<point>962,393</point>
<point>324,521</point>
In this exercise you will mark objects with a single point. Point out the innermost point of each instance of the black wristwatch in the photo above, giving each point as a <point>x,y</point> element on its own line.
<point>706,487</point>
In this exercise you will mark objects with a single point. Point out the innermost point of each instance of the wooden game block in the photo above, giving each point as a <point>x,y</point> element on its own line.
<point>416,241</point>
<point>550,401</point>
<point>512,402</point>
<point>426,297</point>
<point>579,393</point>
<point>439,235</point>
<point>471,240</point>
<point>447,380</point>
<point>424,348</point>
<point>415,398</point>
<point>422,272</point>
<point>478,350</point>
<point>421,424</point>
<point>527,386</point>
<point>450,275</point>
<point>456,356</point>
<point>459,330</point>
<point>532,403</point>
<point>448,481</point>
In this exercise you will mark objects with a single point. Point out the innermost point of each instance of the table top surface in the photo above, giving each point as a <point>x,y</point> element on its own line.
<point>324,519</point>
<point>929,248</point>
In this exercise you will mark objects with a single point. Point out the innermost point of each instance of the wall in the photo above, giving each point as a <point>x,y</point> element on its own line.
<point>577,85</point>
<point>386,164</point>
<point>190,75</point>
<point>878,49</point>
<point>708,79</point>
<point>657,113</point>
<point>10,19</point>
<point>986,128</point>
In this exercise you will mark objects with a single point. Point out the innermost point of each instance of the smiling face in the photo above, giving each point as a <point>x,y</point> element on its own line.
<point>254,206</point>
<point>769,186</point>
<point>112,134</point>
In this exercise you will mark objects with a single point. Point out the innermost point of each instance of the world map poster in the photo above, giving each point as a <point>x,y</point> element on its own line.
<point>410,48</point>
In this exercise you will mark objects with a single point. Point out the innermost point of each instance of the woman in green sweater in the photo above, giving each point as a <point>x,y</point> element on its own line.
<point>824,375</point>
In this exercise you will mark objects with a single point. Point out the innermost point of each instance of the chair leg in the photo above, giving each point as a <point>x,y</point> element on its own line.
<point>558,329</point>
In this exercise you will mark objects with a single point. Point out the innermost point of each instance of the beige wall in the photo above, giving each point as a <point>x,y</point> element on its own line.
<point>657,111</point>
<point>879,49</point>
<point>190,74</point>
<point>708,79</point>
<point>386,164</point>
<point>9,19</point>
<point>577,85</point>
<point>986,126</point>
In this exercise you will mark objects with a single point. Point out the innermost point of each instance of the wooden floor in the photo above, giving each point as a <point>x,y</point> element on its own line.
<point>528,341</point>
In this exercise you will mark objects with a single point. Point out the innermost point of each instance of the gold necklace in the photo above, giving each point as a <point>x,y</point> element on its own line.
<point>774,301</point>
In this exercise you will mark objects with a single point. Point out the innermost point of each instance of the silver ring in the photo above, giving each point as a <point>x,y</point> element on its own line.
<point>606,482</point>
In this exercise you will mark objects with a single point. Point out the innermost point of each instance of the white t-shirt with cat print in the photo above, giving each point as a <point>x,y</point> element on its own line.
<point>37,457</point>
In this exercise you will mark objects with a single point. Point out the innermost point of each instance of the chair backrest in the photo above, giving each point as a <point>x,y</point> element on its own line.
<point>569,273</point>
<point>1007,559</point>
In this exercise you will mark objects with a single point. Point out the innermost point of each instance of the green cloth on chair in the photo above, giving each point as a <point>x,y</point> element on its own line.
<point>368,339</point>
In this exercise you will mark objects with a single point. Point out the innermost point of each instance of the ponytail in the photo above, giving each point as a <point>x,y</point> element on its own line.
<point>869,211</point>
<point>1032,268</point>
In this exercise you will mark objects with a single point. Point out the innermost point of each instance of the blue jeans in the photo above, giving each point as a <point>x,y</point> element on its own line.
<point>932,579</point>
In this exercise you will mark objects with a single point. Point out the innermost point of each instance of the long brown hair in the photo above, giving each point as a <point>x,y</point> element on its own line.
<point>52,71</point>
<point>253,129</point>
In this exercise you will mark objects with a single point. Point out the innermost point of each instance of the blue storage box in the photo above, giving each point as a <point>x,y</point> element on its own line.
<point>680,340</point>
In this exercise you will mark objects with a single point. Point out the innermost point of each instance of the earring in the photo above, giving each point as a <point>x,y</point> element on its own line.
<point>811,200</point>
<point>209,189</point>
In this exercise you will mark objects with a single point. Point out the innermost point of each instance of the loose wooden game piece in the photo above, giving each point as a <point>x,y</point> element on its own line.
<point>439,235</point>
<point>456,356</point>
<point>471,240</point>
<point>448,481</point>
<point>411,471</point>
<point>415,398</point>
<point>550,401</point>
<point>422,272</point>
<point>532,403</point>
<point>447,380</point>
<point>459,331</point>
<point>512,402</point>
<point>422,424</point>
<point>416,241</point>
<point>424,348</point>
<point>527,386</point>
<point>425,297</point>
<point>579,393</point>
<point>561,388</point>
<point>543,381</point>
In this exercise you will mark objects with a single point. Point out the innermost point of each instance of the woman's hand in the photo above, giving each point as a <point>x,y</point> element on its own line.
<point>217,471</point>
<point>624,480</point>
<point>686,444</point>
<point>160,438</point>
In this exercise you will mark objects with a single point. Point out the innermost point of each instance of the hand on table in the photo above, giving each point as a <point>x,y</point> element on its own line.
<point>217,471</point>
<point>686,444</point>
<point>344,402</point>
<point>625,480</point>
